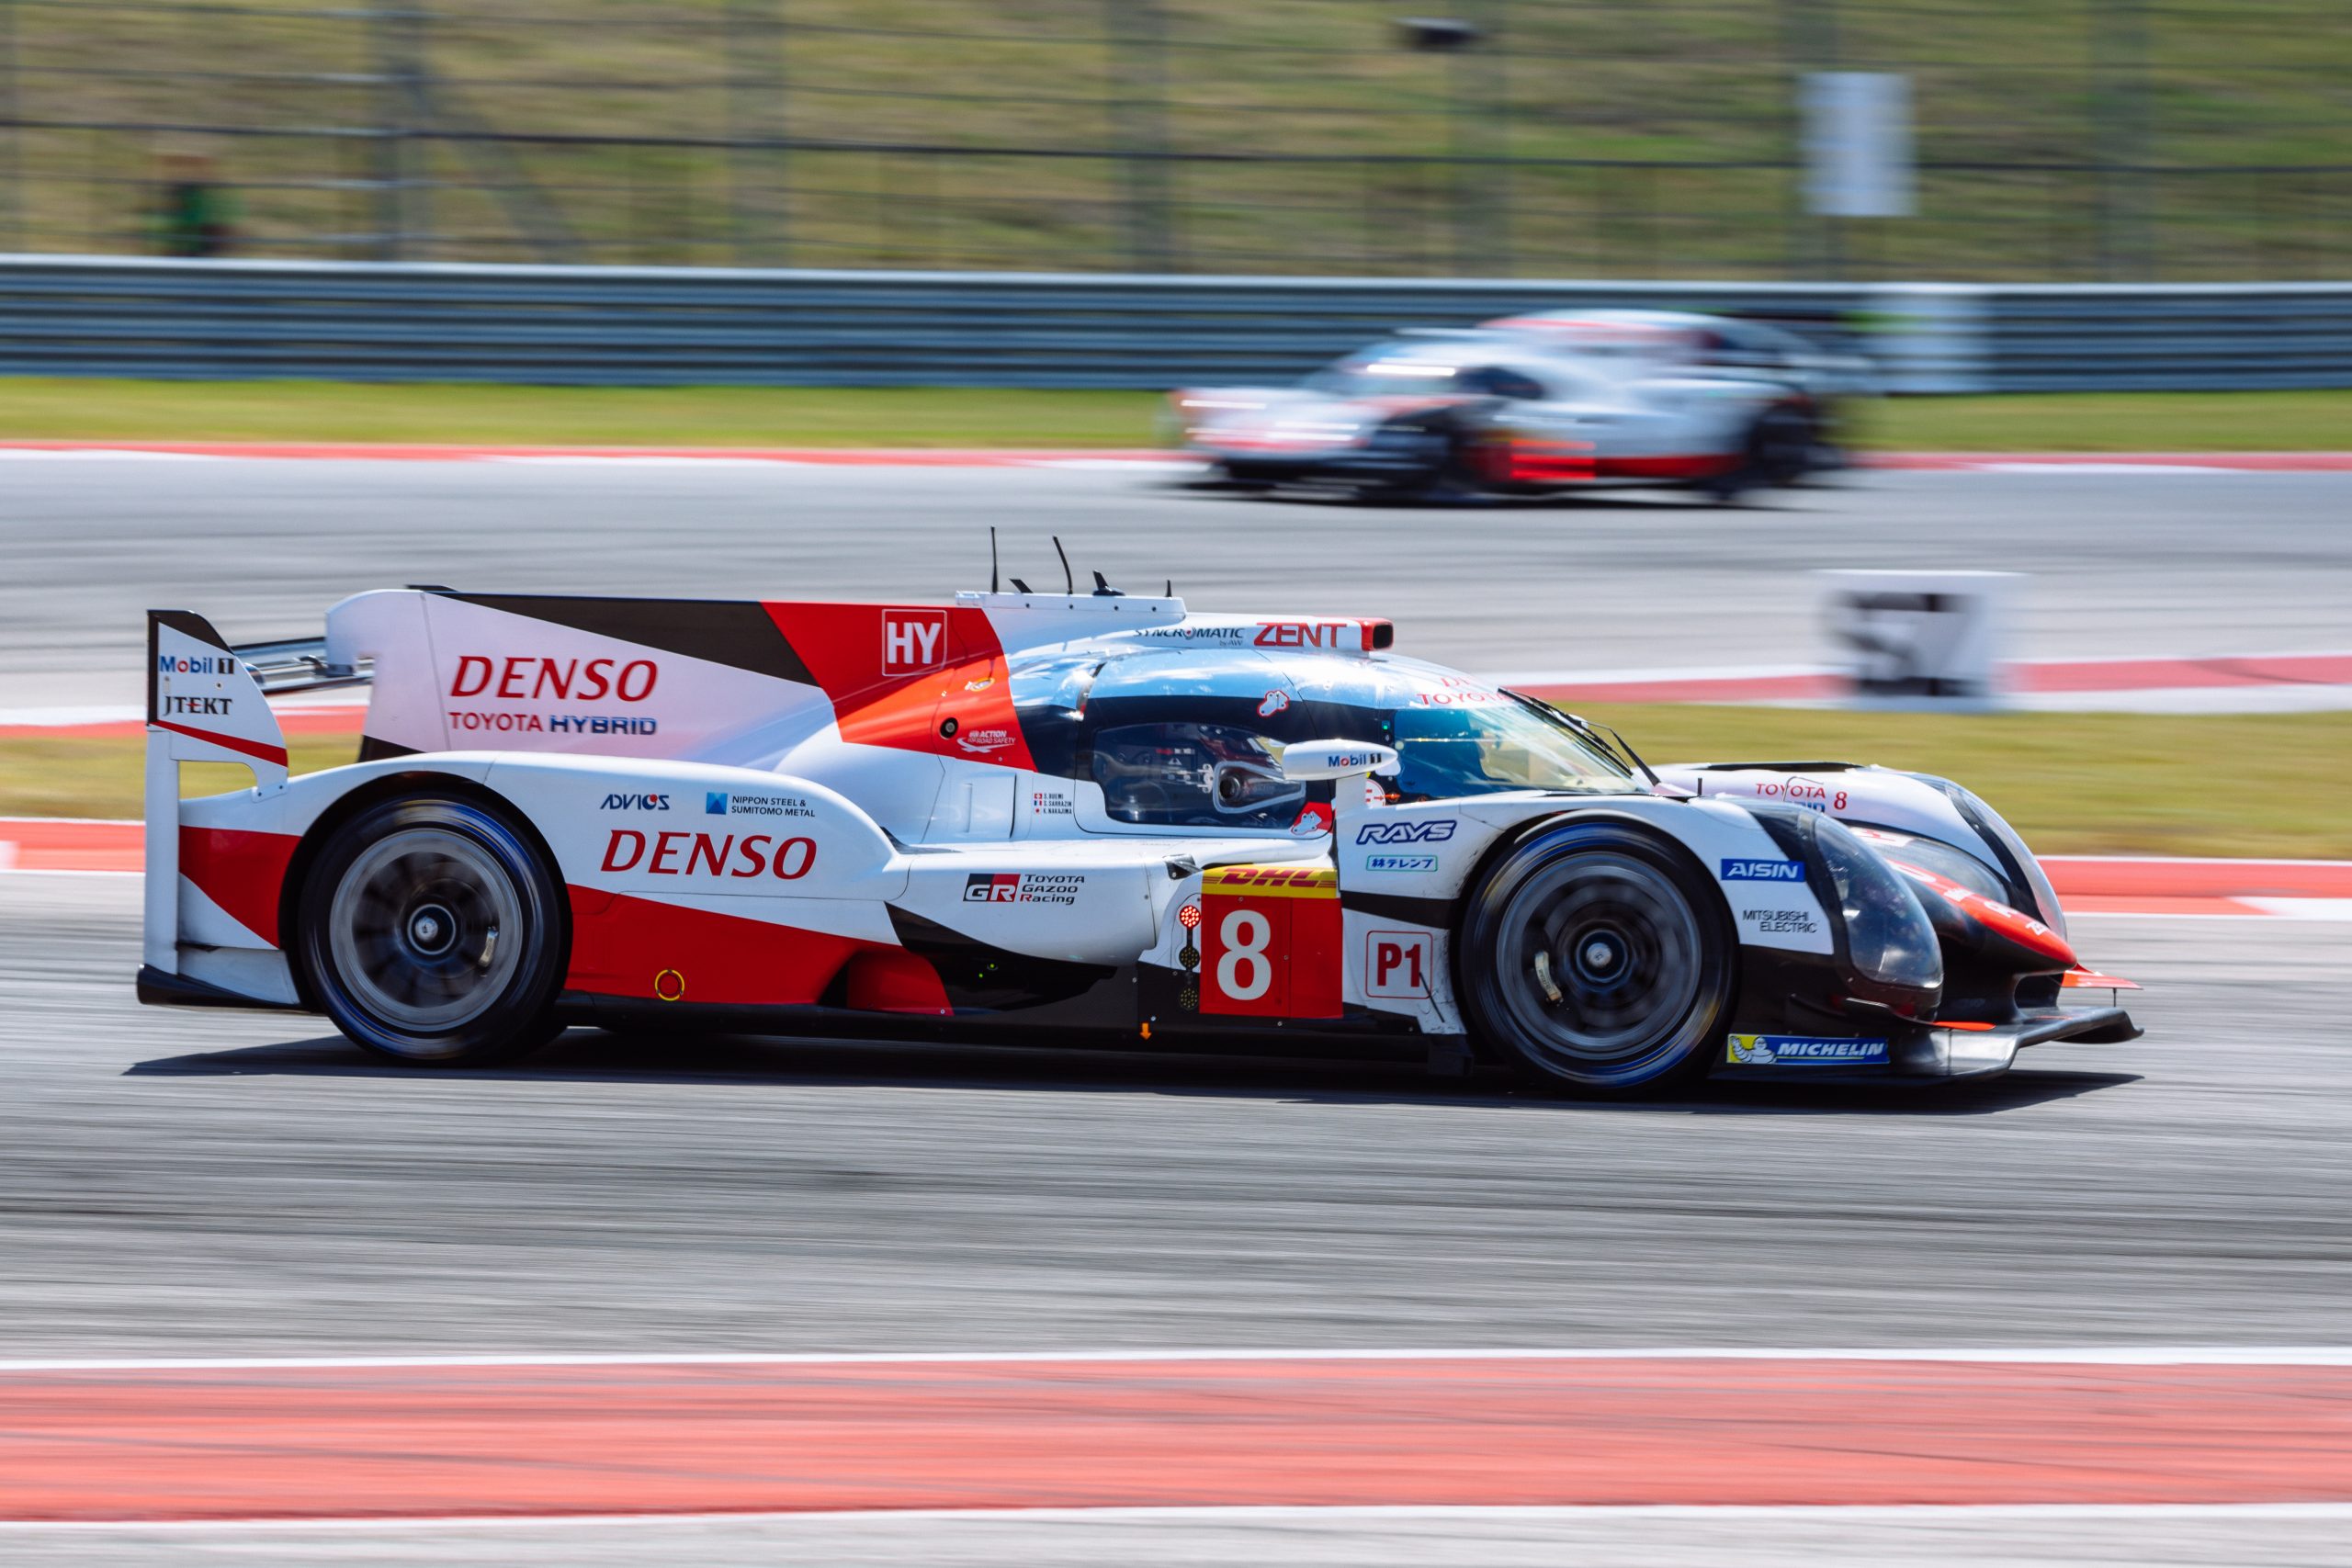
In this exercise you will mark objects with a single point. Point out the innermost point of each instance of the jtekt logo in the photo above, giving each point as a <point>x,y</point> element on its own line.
<point>913,641</point>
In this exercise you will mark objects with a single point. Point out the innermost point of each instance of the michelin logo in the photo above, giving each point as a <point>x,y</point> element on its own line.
<point>1798,1051</point>
<point>1762,871</point>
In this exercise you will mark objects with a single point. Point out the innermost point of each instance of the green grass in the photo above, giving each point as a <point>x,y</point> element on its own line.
<point>70,409</point>
<point>2072,784</point>
<point>1680,110</point>
<point>2116,421</point>
<point>80,777</point>
<point>66,409</point>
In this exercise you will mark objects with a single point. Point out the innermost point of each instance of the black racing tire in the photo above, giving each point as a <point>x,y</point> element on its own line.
<point>1598,957</point>
<point>432,933</point>
<point>1776,452</point>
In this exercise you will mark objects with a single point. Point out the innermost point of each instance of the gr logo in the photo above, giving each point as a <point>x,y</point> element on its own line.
<point>913,641</point>
<point>1434,830</point>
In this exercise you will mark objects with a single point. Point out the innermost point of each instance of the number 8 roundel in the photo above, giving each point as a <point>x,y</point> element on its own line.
<point>1270,942</point>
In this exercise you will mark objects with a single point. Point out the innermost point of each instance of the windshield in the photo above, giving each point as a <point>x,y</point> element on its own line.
<point>1486,748</point>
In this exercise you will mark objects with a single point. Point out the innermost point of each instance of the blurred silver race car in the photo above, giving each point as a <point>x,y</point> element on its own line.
<point>1529,407</point>
<point>1684,341</point>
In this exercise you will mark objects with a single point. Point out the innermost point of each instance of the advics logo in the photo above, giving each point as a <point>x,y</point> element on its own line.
<point>913,641</point>
<point>637,803</point>
<point>1434,830</point>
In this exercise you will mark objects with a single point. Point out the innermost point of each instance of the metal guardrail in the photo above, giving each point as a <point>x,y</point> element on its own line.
<point>653,326</point>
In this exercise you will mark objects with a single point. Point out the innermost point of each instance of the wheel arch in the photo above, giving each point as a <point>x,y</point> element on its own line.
<point>374,791</point>
<point>1509,842</point>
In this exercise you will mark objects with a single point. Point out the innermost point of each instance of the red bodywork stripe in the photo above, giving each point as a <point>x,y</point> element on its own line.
<point>242,872</point>
<point>627,946</point>
<point>258,748</point>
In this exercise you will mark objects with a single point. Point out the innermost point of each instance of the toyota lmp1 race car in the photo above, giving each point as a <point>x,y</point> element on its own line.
<point>1055,818</point>
<point>1537,405</point>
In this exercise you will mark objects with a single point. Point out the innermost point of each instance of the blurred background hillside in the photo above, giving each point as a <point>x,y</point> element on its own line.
<point>2057,138</point>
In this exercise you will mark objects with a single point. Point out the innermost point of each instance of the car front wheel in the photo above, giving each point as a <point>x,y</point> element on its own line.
<point>1597,956</point>
<point>432,933</point>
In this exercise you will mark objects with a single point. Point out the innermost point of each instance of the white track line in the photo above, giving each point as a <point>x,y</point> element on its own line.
<point>1369,1513</point>
<point>2095,1356</point>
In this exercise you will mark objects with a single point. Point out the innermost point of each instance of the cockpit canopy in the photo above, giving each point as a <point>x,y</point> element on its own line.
<point>1192,737</point>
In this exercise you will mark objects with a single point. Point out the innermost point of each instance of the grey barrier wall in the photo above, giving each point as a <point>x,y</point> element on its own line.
<point>652,326</point>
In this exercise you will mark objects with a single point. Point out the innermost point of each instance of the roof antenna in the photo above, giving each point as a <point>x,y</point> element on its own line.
<point>1103,589</point>
<point>1171,591</point>
<point>992,560</point>
<point>1019,587</point>
<point>1069,583</point>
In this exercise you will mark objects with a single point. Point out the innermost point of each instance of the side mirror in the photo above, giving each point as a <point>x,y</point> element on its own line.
<point>1312,759</point>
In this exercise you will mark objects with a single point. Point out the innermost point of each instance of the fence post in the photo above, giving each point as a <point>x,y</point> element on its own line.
<point>12,167</point>
<point>2119,56</point>
<point>1810,42</point>
<point>756,131</point>
<point>400,200</point>
<point>1137,30</point>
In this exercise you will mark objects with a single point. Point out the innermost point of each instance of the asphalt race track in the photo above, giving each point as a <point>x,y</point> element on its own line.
<point>2146,563</point>
<point>199,1185</point>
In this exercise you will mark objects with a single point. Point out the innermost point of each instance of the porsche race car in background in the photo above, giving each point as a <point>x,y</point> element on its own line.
<point>1538,404</point>
<point>1095,818</point>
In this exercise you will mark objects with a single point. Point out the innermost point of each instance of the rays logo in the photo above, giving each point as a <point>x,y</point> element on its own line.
<point>1434,831</point>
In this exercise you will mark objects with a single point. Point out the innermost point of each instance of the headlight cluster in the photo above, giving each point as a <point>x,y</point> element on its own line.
<point>1888,938</point>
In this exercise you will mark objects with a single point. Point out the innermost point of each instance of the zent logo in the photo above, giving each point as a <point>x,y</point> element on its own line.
<point>1762,871</point>
<point>913,641</point>
<point>1301,634</point>
<point>1431,831</point>
<point>637,803</point>
<point>1398,963</point>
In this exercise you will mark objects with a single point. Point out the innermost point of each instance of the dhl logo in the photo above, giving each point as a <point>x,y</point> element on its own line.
<point>1273,882</point>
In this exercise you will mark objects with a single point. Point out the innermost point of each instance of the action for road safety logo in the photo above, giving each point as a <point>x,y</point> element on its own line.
<point>1804,1051</point>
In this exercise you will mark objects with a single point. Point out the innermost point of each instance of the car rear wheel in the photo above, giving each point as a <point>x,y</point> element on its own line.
<point>1777,452</point>
<point>432,933</point>
<point>1597,956</point>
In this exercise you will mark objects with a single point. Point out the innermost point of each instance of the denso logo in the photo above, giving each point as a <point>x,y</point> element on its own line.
<point>1302,634</point>
<point>523,677</point>
<point>913,641</point>
<point>1762,871</point>
<point>709,854</point>
<point>1435,831</point>
<point>637,803</point>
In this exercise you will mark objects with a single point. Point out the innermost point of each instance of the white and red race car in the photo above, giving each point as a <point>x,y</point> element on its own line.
<point>1053,817</point>
<point>1528,406</point>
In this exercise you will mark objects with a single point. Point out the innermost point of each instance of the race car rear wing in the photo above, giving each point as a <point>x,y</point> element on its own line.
<point>206,703</point>
<point>300,664</point>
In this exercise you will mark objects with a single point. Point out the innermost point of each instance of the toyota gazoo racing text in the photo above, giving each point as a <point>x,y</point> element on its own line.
<point>1532,405</point>
<point>1097,819</point>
